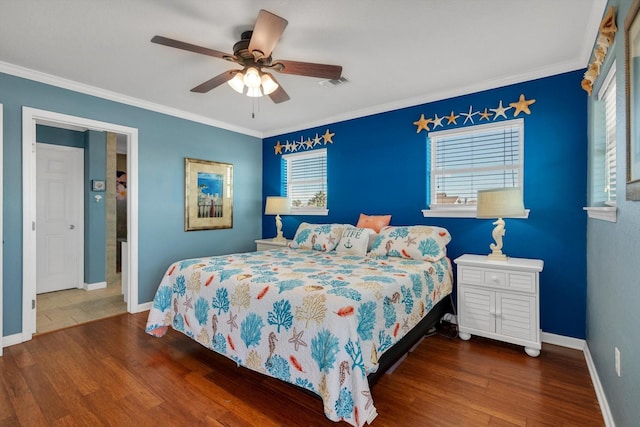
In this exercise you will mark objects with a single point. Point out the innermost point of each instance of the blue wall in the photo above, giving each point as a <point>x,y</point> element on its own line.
<point>613,298</point>
<point>164,142</point>
<point>377,165</point>
<point>59,136</point>
<point>95,213</point>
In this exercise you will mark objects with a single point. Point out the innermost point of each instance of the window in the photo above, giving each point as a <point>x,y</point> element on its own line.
<point>306,181</point>
<point>602,162</point>
<point>473,158</point>
<point>608,97</point>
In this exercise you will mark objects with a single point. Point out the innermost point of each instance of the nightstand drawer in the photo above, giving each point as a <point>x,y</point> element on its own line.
<point>522,282</point>
<point>482,276</point>
<point>518,281</point>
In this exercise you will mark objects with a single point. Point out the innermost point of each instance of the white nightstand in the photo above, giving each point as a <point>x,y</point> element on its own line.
<point>500,300</point>
<point>266,244</point>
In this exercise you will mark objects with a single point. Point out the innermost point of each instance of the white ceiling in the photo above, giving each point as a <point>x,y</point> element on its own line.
<point>394,53</point>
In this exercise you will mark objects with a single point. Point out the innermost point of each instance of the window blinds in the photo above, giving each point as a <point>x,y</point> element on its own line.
<point>610,138</point>
<point>306,179</point>
<point>480,157</point>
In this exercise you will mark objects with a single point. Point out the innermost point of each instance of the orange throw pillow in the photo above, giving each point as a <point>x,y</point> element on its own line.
<point>374,222</point>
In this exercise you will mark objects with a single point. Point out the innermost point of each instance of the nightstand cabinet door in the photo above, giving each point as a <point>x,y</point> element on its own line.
<point>516,316</point>
<point>475,308</point>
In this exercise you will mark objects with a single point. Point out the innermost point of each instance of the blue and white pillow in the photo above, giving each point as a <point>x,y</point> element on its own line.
<point>421,242</point>
<point>317,237</point>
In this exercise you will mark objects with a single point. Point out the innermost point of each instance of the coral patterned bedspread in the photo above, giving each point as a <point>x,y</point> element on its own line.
<point>315,319</point>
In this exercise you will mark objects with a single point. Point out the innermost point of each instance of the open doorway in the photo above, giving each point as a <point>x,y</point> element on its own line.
<point>66,162</point>
<point>32,118</point>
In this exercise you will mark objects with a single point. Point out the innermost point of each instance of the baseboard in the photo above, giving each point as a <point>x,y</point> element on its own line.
<point>94,286</point>
<point>562,341</point>
<point>144,307</point>
<point>12,340</point>
<point>597,385</point>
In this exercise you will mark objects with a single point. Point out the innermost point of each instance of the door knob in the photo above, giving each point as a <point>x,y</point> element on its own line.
<point>71,227</point>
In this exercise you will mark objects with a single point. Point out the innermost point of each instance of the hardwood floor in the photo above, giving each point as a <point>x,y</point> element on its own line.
<point>109,372</point>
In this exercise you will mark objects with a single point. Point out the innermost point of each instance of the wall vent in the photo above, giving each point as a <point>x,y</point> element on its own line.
<point>334,82</point>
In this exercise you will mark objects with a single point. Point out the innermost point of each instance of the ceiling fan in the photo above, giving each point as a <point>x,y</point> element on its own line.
<point>253,53</point>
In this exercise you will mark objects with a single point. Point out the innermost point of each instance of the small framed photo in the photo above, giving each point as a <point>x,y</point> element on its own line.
<point>97,185</point>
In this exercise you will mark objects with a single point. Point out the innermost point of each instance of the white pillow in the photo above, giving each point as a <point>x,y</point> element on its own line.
<point>354,241</point>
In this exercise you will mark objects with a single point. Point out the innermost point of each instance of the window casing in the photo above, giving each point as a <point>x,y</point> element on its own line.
<point>305,181</point>
<point>463,161</point>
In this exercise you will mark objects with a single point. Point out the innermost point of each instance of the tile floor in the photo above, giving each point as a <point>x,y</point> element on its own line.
<point>57,310</point>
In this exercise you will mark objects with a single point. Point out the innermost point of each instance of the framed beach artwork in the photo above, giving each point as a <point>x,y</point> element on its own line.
<point>632,76</point>
<point>208,201</point>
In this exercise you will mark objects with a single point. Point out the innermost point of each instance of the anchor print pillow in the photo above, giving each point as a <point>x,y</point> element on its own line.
<point>354,240</point>
<point>421,242</point>
<point>317,237</point>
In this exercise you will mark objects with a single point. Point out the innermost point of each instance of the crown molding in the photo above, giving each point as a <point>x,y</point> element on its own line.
<point>29,74</point>
<point>537,73</point>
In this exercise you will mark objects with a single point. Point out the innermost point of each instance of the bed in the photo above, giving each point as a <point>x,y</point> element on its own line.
<point>326,320</point>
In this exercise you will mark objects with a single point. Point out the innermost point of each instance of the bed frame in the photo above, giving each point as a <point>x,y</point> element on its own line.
<point>399,349</point>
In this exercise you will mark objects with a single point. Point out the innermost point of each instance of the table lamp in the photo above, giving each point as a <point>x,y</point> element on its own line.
<point>277,206</point>
<point>499,203</point>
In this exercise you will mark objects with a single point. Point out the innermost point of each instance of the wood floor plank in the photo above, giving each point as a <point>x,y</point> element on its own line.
<point>110,372</point>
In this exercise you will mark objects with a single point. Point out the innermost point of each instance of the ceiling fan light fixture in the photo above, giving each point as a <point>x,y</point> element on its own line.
<point>254,92</point>
<point>268,84</point>
<point>251,78</point>
<point>237,83</point>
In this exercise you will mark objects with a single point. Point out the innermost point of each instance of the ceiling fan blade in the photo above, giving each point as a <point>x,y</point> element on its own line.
<point>279,95</point>
<point>308,69</point>
<point>190,47</point>
<point>266,33</point>
<point>214,82</point>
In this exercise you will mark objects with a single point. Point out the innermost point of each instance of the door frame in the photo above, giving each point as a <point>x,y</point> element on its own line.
<point>79,222</point>
<point>30,118</point>
<point>1,225</point>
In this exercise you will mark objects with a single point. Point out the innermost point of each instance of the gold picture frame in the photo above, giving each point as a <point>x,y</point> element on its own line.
<point>632,93</point>
<point>208,195</point>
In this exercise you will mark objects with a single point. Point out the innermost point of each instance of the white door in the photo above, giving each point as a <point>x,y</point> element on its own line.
<point>59,217</point>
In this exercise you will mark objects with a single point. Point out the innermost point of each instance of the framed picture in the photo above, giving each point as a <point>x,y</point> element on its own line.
<point>632,89</point>
<point>208,195</point>
<point>98,185</point>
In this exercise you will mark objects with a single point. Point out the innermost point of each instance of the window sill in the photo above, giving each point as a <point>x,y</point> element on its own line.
<point>302,211</point>
<point>459,213</point>
<point>604,213</point>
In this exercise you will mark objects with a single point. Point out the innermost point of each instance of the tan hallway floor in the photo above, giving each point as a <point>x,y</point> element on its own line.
<point>57,310</point>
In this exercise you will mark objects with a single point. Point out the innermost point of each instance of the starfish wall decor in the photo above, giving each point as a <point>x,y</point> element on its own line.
<point>303,144</point>
<point>520,106</point>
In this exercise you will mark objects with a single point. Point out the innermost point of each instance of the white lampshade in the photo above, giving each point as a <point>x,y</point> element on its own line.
<point>236,82</point>
<point>277,205</point>
<point>252,78</point>
<point>500,203</point>
<point>268,84</point>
